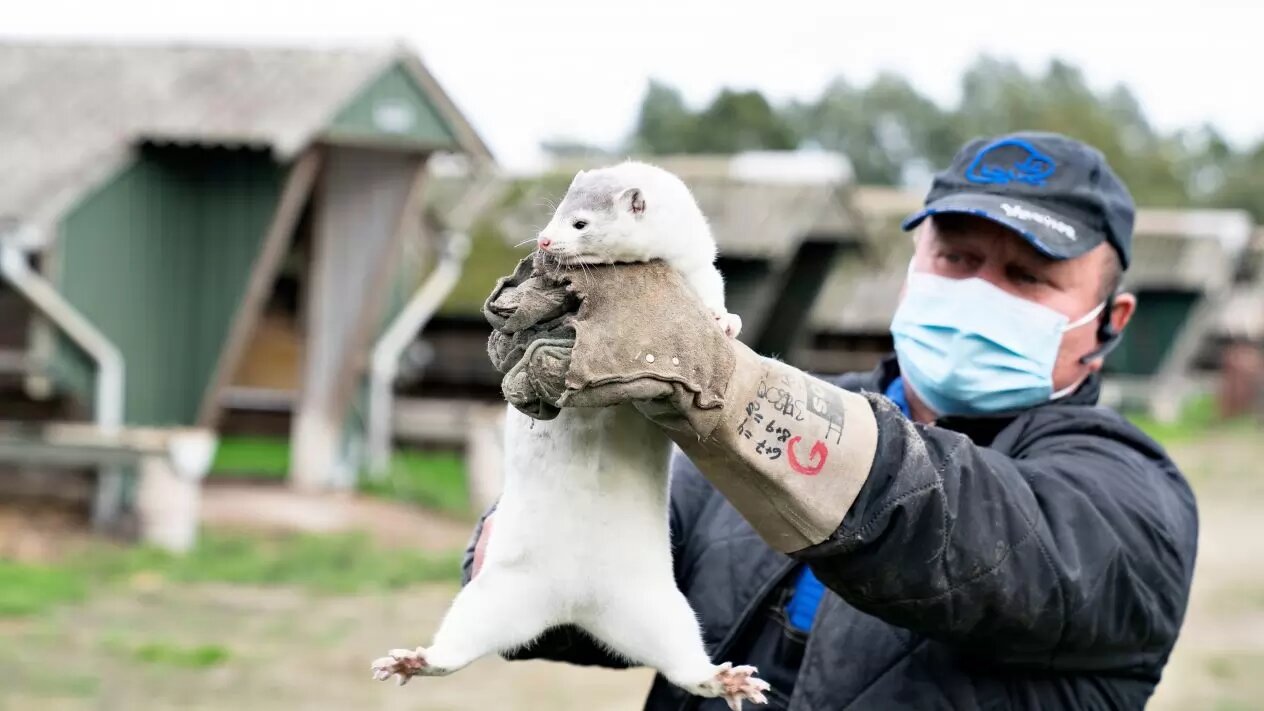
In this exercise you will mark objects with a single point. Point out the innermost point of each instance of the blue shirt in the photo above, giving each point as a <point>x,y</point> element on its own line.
<point>808,591</point>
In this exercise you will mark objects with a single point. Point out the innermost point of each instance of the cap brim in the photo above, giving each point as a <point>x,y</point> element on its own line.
<point>1054,235</point>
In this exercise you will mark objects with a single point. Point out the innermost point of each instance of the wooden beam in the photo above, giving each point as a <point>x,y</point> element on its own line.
<point>363,196</point>
<point>276,243</point>
<point>357,348</point>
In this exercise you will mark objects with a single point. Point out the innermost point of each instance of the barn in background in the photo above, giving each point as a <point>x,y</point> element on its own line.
<point>237,223</point>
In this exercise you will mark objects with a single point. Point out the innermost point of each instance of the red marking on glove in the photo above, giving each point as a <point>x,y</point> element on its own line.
<point>818,453</point>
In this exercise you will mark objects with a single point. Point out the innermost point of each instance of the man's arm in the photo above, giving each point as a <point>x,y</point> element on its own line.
<point>1078,554</point>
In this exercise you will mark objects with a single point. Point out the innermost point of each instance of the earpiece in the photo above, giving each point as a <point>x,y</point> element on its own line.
<point>1107,337</point>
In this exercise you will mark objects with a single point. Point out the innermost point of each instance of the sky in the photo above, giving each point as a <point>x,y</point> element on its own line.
<point>531,70</point>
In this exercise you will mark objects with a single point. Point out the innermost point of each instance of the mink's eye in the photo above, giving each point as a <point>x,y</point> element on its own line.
<point>579,224</point>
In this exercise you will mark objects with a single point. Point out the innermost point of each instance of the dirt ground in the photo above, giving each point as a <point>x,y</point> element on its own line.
<point>286,650</point>
<point>227,505</point>
<point>1219,659</point>
<point>289,649</point>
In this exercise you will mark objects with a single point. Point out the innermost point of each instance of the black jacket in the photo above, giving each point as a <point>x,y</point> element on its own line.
<point>1038,561</point>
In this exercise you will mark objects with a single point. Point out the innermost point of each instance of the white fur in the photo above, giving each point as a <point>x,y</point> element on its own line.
<point>580,534</point>
<point>671,228</point>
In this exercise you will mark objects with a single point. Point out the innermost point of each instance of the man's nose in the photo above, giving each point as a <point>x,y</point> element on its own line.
<point>544,242</point>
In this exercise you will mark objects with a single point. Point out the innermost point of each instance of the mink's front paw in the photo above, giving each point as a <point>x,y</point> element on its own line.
<point>731,324</point>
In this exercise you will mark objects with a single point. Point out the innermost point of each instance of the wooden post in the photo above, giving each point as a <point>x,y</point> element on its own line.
<point>363,197</point>
<point>167,505</point>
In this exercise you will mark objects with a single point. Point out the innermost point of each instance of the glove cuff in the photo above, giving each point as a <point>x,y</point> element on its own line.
<point>789,451</point>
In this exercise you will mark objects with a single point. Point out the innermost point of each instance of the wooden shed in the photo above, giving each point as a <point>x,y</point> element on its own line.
<point>235,221</point>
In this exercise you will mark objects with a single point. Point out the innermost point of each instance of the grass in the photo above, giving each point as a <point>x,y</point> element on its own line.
<point>27,589</point>
<point>1198,419</point>
<point>1237,678</point>
<point>435,480</point>
<point>326,564</point>
<point>252,456</point>
<point>195,657</point>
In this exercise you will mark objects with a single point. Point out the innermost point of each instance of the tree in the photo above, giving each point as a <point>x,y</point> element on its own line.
<point>895,135</point>
<point>664,124</point>
<point>1243,184</point>
<point>734,121</point>
<point>997,97</point>
<point>740,121</point>
<point>885,129</point>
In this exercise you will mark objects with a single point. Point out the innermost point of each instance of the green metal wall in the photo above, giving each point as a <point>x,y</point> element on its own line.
<point>1149,336</point>
<point>158,259</point>
<point>410,267</point>
<point>390,93</point>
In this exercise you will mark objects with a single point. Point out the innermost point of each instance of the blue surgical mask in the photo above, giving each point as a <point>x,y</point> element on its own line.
<point>968,347</point>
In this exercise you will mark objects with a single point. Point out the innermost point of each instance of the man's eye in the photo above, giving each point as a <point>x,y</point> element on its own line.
<point>579,224</point>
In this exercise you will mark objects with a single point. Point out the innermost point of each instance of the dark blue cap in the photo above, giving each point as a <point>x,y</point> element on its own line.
<point>1058,193</point>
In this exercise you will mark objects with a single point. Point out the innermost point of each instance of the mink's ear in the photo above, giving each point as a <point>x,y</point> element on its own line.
<point>633,200</point>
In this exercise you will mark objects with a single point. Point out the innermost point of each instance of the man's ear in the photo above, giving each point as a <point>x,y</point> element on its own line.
<point>1122,310</point>
<point>633,201</point>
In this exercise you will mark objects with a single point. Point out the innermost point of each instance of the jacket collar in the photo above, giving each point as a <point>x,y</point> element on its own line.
<point>982,429</point>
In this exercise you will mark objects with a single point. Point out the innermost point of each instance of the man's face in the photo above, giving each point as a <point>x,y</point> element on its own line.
<point>961,246</point>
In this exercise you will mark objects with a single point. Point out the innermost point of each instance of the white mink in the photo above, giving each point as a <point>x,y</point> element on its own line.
<point>581,529</point>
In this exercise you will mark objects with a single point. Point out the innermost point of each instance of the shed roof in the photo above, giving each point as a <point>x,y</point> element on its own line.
<point>760,206</point>
<point>72,113</point>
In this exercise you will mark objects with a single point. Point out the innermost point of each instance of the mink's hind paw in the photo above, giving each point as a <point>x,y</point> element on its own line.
<point>404,662</point>
<point>735,685</point>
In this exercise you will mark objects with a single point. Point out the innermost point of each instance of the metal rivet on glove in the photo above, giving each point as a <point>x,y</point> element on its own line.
<point>649,357</point>
<point>675,361</point>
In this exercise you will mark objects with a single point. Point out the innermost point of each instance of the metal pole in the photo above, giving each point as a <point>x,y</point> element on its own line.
<point>108,405</point>
<point>386,352</point>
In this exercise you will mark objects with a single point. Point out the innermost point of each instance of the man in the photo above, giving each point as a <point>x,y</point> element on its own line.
<point>961,528</point>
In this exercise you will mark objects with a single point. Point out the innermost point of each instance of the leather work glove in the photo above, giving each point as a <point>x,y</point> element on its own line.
<point>789,451</point>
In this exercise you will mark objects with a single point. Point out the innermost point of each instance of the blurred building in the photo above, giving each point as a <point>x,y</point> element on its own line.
<point>237,226</point>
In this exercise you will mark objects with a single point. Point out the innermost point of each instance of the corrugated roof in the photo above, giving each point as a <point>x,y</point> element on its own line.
<point>71,113</point>
<point>751,216</point>
<point>1232,228</point>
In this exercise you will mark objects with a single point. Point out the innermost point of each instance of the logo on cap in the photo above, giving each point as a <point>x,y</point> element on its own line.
<point>1022,213</point>
<point>1010,160</point>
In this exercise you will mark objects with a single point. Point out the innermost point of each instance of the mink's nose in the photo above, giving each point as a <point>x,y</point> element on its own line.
<point>544,242</point>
